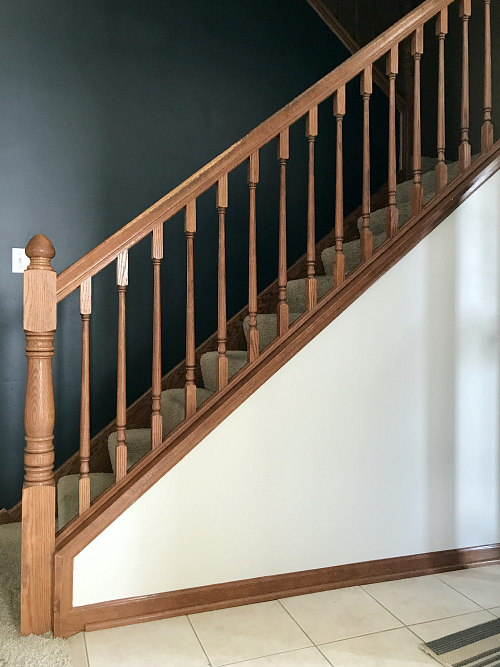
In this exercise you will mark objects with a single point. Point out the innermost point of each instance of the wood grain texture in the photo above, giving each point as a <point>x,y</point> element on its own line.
<point>311,285</point>
<point>190,387</point>
<point>441,167</point>
<point>392,211</point>
<point>121,387</point>
<point>156,416</point>
<point>417,195</point>
<point>38,500</point>
<point>222,361</point>
<point>366,248</point>
<point>464,151</point>
<point>84,481</point>
<point>339,108</point>
<point>253,332</point>
<point>247,591</point>
<point>487,127</point>
<point>80,532</point>
<point>282,309</point>
<point>203,179</point>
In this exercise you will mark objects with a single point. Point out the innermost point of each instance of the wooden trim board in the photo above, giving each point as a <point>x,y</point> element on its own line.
<point>206,598</point>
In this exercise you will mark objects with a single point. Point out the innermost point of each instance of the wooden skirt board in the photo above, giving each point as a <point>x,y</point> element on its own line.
<point>69,620</point>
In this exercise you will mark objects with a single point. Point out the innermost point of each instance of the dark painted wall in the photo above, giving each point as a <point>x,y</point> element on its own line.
<point>106,106</point>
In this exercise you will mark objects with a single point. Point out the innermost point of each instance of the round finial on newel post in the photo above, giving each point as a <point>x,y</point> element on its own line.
<point>40,251</point>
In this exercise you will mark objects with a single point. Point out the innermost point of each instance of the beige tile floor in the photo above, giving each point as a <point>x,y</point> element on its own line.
<point>379,625</point>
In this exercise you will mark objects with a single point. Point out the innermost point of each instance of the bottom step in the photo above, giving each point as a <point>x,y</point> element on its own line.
<point>67,494</point>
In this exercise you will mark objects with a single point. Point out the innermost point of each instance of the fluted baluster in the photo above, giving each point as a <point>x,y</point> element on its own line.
<point>253,332</point>
<point>84,482</point>
<point>417,197</point>
<point>464,153</point>
<point>392,211</point>
<point>366,234</point>
<point>311,285</point>
<point>190,229</point>
<point>156,416</point>
<point>283,154</point>
<point>121,379</point>
<point>339,259</point>
<point>441,167</point>
<point>487,128</point>
<point>222,362</point>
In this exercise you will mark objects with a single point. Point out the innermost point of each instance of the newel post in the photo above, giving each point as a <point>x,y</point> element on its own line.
<point>38,529</point>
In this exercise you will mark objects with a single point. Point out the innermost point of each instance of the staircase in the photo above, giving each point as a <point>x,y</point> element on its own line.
<point>87,503</point>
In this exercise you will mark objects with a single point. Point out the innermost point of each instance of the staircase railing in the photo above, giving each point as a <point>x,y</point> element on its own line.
<point>43,289</point>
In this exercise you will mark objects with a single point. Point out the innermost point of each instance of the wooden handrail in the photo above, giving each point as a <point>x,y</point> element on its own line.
<point>190,189</point>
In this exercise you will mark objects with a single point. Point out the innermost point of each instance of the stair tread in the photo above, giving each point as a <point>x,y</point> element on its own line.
<point>267,326</point>
<point>236,360</point>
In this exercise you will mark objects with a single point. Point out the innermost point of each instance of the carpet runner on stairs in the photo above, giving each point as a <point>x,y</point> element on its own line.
<point>172,400</point>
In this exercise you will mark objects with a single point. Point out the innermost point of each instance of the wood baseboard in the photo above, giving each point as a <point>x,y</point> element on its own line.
<point>235,593</point>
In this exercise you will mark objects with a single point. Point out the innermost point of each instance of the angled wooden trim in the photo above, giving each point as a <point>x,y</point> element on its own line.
<point>195,185</point>
<point>70,620</point>
<point>352,46</point>
<point>154,465</point>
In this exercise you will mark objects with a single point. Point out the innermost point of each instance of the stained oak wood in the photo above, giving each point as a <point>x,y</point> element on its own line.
<point>464,151</point>
<point>235,593</point>
<point>366,248</point>
<point>76,535</point>
<point>121,372</point>
<point>311,284</point>
<point>392,211</point>
<point>222,361</point>
<point>38,498</point>
<point>203,179</point>
<point>190,229</point>
<point>339,108</point>
<point>156,416</point>
<point>282,310</point>
<point>417,195</point>
<point>487,127</point>
<point>253,332</point>
<point>84,481</point>
<point>441,167</point>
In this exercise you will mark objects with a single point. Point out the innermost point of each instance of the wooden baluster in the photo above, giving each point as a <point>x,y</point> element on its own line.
<point>84,482</point>
<point>156,416</point>
<point>222,362</point>
<point>311,284</point>
<point>339,259</point>
<point>190,229</point>
<point>487,128</point>
<point>366,234</point>
<point>39,494</point>
<point>392,211</point>
<point>441,167</point>
<point>417,196</point>
<point>464,152</point>
<point>253,332</point>
<point>121,378</point>
<point>283,154</point>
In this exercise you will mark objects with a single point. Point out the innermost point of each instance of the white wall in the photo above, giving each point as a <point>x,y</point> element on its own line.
<point>378,439</point>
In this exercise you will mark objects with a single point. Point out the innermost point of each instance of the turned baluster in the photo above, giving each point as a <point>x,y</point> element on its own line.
<point>121,377</point>
<point>190,391</point>
<point>311,285</point>
<point>392,211</point>
<point>283,154</point>
<point>366,234</point>
<point>222,362</point>
<point>84,482</point>
<point>156,416</point>
<point>39,495</point>
<point>464,152</point>
<point>253,332</point>
<point>339,259</point>
<point>441,167</point>
<point>417,195</point>
<point>487,128</point>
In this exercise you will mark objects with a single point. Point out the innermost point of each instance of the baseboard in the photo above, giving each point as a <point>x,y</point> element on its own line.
<point>206,598</point>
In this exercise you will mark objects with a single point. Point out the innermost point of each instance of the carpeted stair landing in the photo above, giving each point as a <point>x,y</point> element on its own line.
<point>172,401</point>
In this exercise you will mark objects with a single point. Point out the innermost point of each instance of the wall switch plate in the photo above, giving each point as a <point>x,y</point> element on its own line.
<point>20,261</point>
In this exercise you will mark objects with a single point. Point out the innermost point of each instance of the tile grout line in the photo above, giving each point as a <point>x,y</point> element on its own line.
<point>459,592</point>
<point>383,606</point>
<point>199,640</point>
<point>271,655</point>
